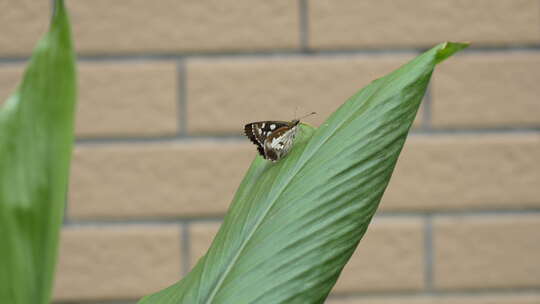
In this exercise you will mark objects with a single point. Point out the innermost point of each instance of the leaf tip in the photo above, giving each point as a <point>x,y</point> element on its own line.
<point>447,49</point>
<point>58,8</point>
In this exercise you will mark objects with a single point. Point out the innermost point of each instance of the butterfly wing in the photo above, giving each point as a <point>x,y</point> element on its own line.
<point>254,136</point>
<point>259,131</point>
<point>280,142</point>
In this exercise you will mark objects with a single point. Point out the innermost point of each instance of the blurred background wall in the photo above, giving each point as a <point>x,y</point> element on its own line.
<point>166,87</point>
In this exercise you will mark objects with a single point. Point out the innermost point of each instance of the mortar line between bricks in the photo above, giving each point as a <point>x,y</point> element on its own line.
<point>186,248</point>
<point>274,53</point>
<point>65,217</point>
<point>429,261</point>
<point>225,55</point>
<point>217,219</point>
<point>381,294</point>
<point>240,138</point>
<point>485,212</point>
<point>477,131</point>
<point>142,221</point>
<point>52,7</point>
<point>304,25</point>
<point>427,108</point>
<point>446,293</point>
<point>363,295</point>
<point>160,139</point>
<point>181,90</point>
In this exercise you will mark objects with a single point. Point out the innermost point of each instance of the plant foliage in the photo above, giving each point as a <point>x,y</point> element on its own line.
<point>36,135</point>
<point>293,225</point>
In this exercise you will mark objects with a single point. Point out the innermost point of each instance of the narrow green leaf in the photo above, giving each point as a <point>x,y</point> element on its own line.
<point>36,135</point>
<point>294,224</point>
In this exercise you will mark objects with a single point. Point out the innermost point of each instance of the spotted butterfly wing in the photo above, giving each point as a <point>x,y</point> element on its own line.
<point>273,139</point>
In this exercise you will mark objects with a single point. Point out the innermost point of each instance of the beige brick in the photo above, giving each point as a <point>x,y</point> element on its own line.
<point>475,299</point>
<point>23,22</point>
<point>395,23</point>
<point>201,236</point>
<point>388,258</point>
<point>118,99</point>
<point>160,179</point>
<point>488,90</point>
<point>127,99</point>
<point>135,26</point>
<point>499,251</point>
<point>117,262</point>
<point>221,93</point>
<point>166,179</point>
<point>466,172</point>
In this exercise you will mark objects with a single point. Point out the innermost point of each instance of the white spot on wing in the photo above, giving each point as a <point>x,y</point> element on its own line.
<point>272,127</point>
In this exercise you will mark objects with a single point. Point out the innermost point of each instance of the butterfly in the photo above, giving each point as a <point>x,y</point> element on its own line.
<point>274,139</point>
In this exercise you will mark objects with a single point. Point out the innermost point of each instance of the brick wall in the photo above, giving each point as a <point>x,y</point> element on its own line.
<point>166,86</point>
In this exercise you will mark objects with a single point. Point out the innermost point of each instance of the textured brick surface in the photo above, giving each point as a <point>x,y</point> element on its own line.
<point>488,90</point>
<point>389,258</point>
<point>169,26</point>
<point>161,179</point>
<point>478,299</point>
<point>118,99</point>
<point>245,61</point>
<point>466,172</point>
<point>222,93</point>
<point>390,23</point>
<point>117,262</point>
<point>201,236</point>
<point>487,252</point>
<point>456,172</point>
<point>22,22</point>
<point>127,99</point>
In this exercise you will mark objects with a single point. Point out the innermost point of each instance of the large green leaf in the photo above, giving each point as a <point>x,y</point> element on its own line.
<point>294,224</point>
<point>36,135</point>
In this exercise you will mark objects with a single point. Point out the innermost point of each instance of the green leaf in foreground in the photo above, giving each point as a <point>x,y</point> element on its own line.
<point>294,224</point>
<point>36,135</point>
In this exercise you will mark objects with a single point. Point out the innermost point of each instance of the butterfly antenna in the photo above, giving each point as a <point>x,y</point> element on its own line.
<point>312,113</point>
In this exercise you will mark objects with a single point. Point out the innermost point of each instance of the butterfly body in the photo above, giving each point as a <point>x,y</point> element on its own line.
<point>274,139</point>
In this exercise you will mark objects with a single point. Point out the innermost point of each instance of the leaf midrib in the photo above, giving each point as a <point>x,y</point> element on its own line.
<point>299,167</point>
